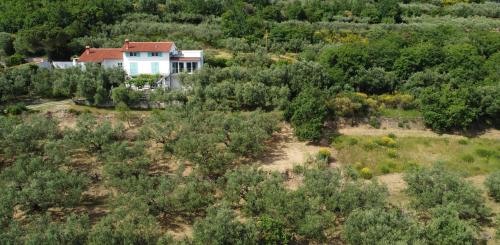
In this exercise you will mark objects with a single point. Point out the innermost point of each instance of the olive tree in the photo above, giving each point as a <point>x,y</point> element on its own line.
<point>237,183</point>
<point>433,187</point>
<point>28,137</point>
<point>221,227</point>
<point>43,230</point>
<point>214,140</point>
<point>380,226</point>
<point>93,135</point>
<point>128,223</point>
<point>307,114</point>
<point>446,227</point>
<point>41,184</point>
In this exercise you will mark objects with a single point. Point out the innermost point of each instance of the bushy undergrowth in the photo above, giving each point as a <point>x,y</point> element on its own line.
<point>493,184</point>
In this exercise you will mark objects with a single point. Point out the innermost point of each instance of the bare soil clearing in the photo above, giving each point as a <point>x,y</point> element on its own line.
<point>66,112</point>
<point>286,151</point>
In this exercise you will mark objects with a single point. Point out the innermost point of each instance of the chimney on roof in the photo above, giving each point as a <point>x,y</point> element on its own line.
<point>126,43</point>
<point>87,49</point>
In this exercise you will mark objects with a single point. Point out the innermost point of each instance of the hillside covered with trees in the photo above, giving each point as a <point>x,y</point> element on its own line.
<point>138,177</point>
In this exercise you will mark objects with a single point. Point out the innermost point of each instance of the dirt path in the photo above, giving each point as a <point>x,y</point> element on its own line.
<point>367,130</point>
<point>396,186</point>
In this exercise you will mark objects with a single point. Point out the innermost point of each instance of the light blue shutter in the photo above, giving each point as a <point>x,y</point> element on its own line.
<point>138,54</point>
<point>160,54</point>
<point>127,54</point>
<point>155,68</point>
<point>150,54</point>
<point>134,69</point>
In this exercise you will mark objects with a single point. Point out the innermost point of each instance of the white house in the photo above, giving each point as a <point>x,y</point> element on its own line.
<point>138,58</point>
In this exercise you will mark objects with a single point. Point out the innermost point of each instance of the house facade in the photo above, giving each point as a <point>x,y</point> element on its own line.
<point>153,58</point>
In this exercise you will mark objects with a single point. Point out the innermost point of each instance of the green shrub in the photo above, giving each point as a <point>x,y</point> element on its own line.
<point>493,184</point>
<point>213,61</point>
<point>392,153</point>
<point>463,141</point>
<point>298,169</point>
<point>16,109</point>
<point>74,112</point>
<point>144,79</point>
<point>353,141</point>
<point>338,140</point>
<point>366,173</point>
<point>374,122</point>
<point>125,95</point>
<point>342,141</point>
<point>387,167</point>
<point>485,153</point>
<point>369,145</point>
<point>468,158</point>
<point>391,135</point>
<point>14,60</point>
<point>410,165</point>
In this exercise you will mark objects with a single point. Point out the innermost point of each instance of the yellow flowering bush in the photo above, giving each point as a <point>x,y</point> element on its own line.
<point>366,173</point>
<point>362,95</point>
<point>387,141</point>
<point>404,101</point>
<point>324,153</point>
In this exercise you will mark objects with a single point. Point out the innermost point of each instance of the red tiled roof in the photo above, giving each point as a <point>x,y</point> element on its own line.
<point>100,54</point>
<point>185,58</point>
<point>147,47</point>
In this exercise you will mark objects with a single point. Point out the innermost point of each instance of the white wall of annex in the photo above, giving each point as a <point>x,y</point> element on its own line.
<point>110,63</point>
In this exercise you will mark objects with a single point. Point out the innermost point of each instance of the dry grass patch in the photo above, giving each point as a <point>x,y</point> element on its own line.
<point>467,156</point>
